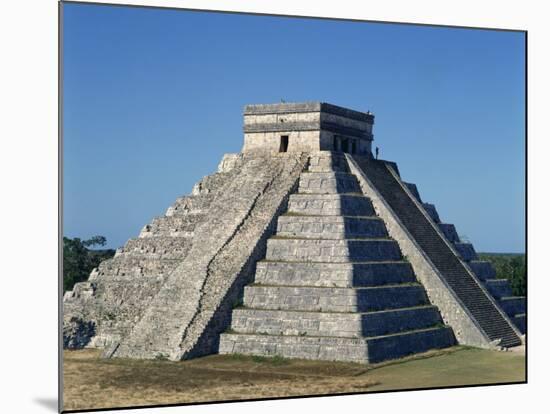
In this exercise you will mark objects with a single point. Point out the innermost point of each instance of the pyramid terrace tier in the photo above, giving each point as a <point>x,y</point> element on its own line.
<point>211,183</point>
<point>432,212</point>
<point>328,162</point>
<point>332,251</point>
<point>498,287</point>
<point>335,324</point>
<point>414,191</point>
<point>128,266</point>
<point>172,226</point>
<point>330,205</point>
<point>333,274</point>
<point>157,247</point>
<point>334,299</point>
<point>449,231</point>
<point>513,305</point>
<point>330,227</point>
<point>362,350</point>
<point>190,205</point>
<point>466,251</point>
<point>482,269</point>
<point>328,183</point>
<point>521,322</point>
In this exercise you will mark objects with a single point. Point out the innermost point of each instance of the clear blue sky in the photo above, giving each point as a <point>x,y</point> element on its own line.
<point>153,99</point>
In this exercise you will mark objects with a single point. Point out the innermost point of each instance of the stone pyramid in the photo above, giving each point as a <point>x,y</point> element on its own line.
<point>302,246</point>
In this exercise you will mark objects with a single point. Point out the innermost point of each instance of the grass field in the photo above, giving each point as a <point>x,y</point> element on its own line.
<point>92,382</point>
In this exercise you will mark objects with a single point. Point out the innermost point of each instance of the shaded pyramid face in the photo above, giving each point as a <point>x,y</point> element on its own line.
<point>442,260</point>
<point>499,289</point>
<point>333,284</point>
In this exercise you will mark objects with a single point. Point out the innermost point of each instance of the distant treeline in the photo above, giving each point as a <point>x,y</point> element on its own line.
<point>79,259</point>
<point>509,266</point>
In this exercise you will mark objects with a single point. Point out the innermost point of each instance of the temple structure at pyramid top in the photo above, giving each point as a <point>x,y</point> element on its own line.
<point>306,127</point>
<point>303,246</point>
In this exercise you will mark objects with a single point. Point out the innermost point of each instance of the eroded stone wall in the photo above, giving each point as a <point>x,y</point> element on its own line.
<point>103,309</point>
<point>193,305</point>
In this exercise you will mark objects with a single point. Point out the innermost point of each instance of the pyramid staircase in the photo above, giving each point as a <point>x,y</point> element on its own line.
<point>451,262</point>
<point>500,289</point>
<point>333,285</point>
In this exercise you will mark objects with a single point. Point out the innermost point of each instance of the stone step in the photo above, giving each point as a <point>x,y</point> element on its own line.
<point>327,299</point>
<point>330,227</point>
<point>81,290</point>
<point>499,287</point>
<point>466,251</point>
<point>190,205</point>
<point>328,162</point>
<point>328,183</point>
<point>211,183</point>
<point>333,274</point>
<point>521,322</point>
<point>362,350</point>
<point>172,226</point>
<point>332,251</point>
<point>330,205</point>
<point>284,322</point>
<point>132,266</point>
<point>449,231</point>
<point>157,247</point>
<point>512,305</point>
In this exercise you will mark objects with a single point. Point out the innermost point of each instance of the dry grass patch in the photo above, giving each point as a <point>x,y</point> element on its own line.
<point>92,382</point>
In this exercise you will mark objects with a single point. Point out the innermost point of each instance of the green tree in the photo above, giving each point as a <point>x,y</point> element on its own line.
<point>517,277</point>
<point>95,241</point>
<point>79,259</point>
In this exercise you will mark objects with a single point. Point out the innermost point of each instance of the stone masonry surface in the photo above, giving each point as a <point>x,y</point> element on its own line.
<point>286,250</point>
<point>333,284</point>
<point>116,294</point>
<point>217,265</point>
<point>482,322</point>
